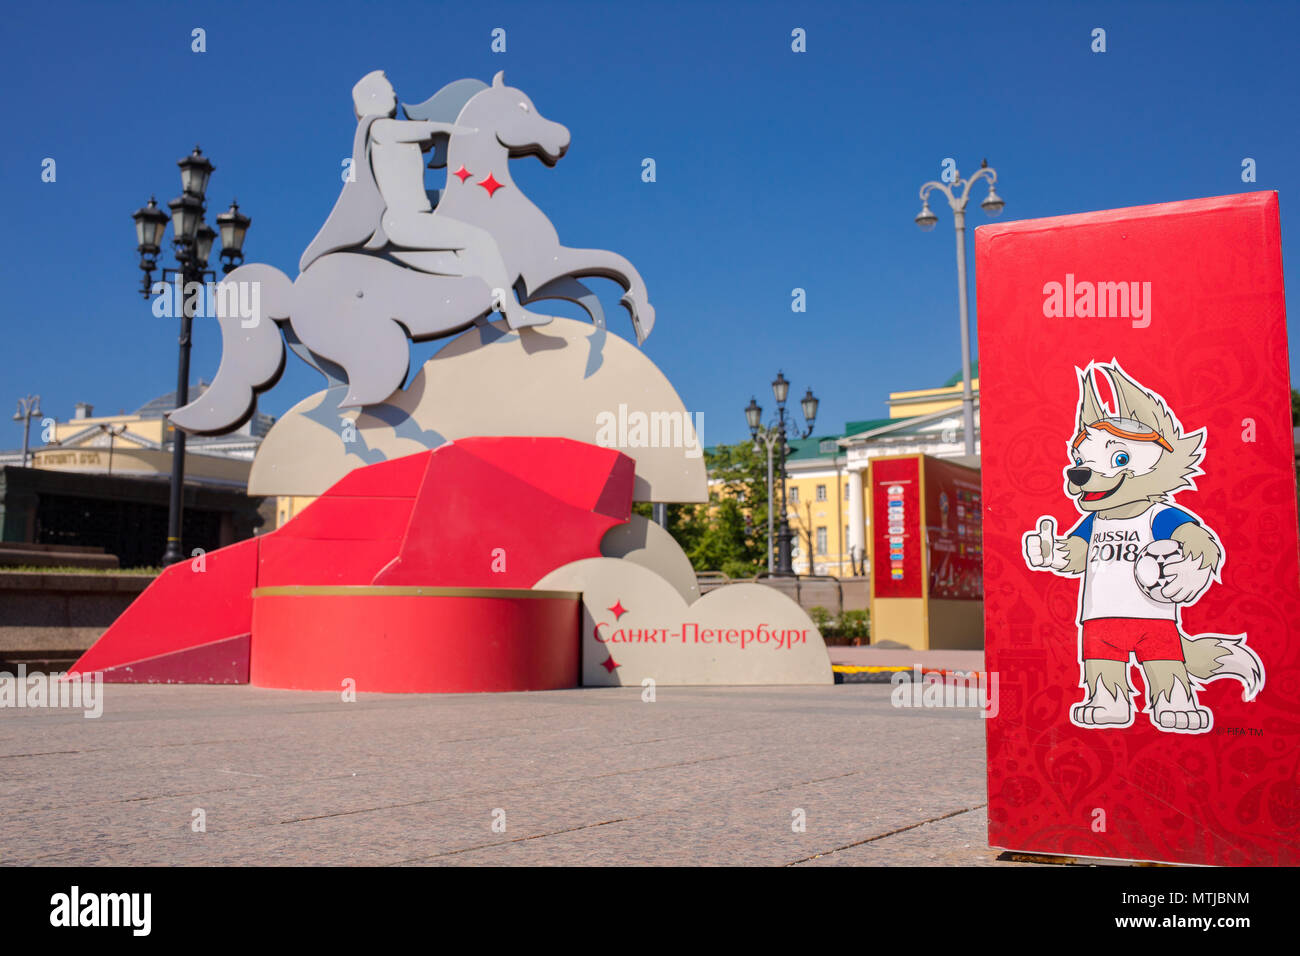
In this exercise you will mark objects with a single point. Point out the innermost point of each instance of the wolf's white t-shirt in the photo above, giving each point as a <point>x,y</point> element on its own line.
<point>1109,587</point>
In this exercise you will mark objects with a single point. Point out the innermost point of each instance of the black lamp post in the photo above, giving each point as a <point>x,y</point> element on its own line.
<point>776,437</point>
<point>192,240</point>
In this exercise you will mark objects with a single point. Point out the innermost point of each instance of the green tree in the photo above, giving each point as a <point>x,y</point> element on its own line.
<point>681,521</point>
<point>729,534</point>
<point>802,526</point>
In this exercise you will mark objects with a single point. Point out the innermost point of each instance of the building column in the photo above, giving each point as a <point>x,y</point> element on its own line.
<point>857,538</point>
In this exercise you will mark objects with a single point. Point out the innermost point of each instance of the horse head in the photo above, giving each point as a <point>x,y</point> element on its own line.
<point>509,114</point>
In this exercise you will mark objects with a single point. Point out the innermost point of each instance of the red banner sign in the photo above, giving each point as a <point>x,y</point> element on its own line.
<point>1141,561</point>
<point>953,530</point>
<point>896,527</point>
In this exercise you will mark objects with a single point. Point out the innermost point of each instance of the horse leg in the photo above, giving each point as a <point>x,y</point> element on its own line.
<point>477,254</point>
<point>571,290</point>
<point>431,306</point>
<point>339,317</point>
<point>608,265</point>
<point>375,353</point>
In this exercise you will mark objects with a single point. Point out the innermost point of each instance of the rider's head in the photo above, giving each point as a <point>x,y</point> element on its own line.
<point>373,96</point>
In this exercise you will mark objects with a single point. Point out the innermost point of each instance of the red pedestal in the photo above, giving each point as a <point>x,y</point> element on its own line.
<point>415,639</point>
<point>428,559</point>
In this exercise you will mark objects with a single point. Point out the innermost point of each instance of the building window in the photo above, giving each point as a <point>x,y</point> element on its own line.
<point>794,496</point>
<point>821,492</point>
<point>821,540</point>
<point>846,492</point>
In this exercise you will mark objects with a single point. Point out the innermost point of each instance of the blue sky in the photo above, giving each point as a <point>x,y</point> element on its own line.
<point>775,169</point>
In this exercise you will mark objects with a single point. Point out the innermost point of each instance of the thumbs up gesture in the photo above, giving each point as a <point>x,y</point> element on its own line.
<point>1043,549</point>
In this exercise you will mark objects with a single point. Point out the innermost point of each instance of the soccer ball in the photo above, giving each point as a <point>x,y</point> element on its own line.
<point>1149,568</point>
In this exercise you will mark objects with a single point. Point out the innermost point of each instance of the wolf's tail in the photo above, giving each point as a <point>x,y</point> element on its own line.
<point>1219,655</point>
<point>252,349</point>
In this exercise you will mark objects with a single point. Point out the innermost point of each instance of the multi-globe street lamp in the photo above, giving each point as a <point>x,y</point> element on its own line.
<point>926,219</point>
<point>192,243</point>
<point>28,408</point>
<point>776,437</point>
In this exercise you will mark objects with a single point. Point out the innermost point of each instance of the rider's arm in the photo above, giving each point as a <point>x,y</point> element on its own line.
<point>413,131</point>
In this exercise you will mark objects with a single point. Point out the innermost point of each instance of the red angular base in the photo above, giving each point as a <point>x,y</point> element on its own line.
<point>496,513</point>
<point>221,662</point>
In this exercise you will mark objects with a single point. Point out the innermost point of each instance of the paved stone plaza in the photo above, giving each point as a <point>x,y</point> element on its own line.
<point>588,777</point>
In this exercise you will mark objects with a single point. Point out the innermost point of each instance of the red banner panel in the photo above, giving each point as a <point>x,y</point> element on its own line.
<point>896,527</point>
<point>953,530</point>
<point>1141,563</point>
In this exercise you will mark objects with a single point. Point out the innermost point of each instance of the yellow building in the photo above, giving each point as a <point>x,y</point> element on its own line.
<point>818,504</point>
<point>287,506</point>
<point>825,489</point>
<point>103,481</point>
<point>926,401</point>
<point>139,444</point>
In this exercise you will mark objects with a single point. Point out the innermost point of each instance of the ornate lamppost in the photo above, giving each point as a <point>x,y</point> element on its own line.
<point>926,219</point>
<point>776,437</point>
<point>112,431</point>
<point>192,242</point>
<point>28,408</point>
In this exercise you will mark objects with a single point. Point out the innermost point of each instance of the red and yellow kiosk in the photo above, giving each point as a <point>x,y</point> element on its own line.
<point>926,547</point>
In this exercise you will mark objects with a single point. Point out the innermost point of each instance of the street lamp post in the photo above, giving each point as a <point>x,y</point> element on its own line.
<point>192,242</point>
<point>754,415</point>
<point>926,219</point>
<point>112,431</point>
<point>776,437</point>
<point>28,408</point>
<point>833,446</point>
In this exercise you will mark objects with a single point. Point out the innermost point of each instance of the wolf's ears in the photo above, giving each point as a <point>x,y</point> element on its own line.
<point>499,79</point>
<point>1090,409</point>
<point>1135,402</point>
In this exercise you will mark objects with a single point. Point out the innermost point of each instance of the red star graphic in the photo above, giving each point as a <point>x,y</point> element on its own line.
<point>463,173</point>
<point>609,665</point>
<point>618,610</point>
<point>490,184</point>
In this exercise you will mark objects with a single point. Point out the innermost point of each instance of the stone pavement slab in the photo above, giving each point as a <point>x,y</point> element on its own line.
<point>700,776</point>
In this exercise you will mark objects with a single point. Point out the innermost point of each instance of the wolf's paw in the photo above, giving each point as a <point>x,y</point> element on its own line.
<point>1192,720</point>
<point>1177,708</point>
<point>1101,711</point>
<point>1044,551</point>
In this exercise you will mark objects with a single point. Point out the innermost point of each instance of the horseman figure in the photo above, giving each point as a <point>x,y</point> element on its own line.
<point>394,260</point>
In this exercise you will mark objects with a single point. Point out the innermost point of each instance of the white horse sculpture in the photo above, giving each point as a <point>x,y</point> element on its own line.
<point>361,292</point>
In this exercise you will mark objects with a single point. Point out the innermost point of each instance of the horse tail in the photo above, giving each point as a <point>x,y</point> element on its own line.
<point>250,301</point>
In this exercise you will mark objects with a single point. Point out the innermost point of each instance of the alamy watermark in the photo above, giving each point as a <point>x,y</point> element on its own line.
<point>129,910</point>
<point>638,429</point>
<point>208,299</point>
<point>917,688</point>
<point>53,690</point>
<point>1073,299</point>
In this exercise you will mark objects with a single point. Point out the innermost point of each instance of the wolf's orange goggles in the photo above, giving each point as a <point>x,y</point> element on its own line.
<point>1118,432</point>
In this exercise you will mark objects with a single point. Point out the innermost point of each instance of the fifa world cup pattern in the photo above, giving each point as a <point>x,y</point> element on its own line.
<point>1140,559</point>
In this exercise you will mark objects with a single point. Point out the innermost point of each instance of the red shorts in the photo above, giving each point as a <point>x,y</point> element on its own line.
<point>1114,638</point>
